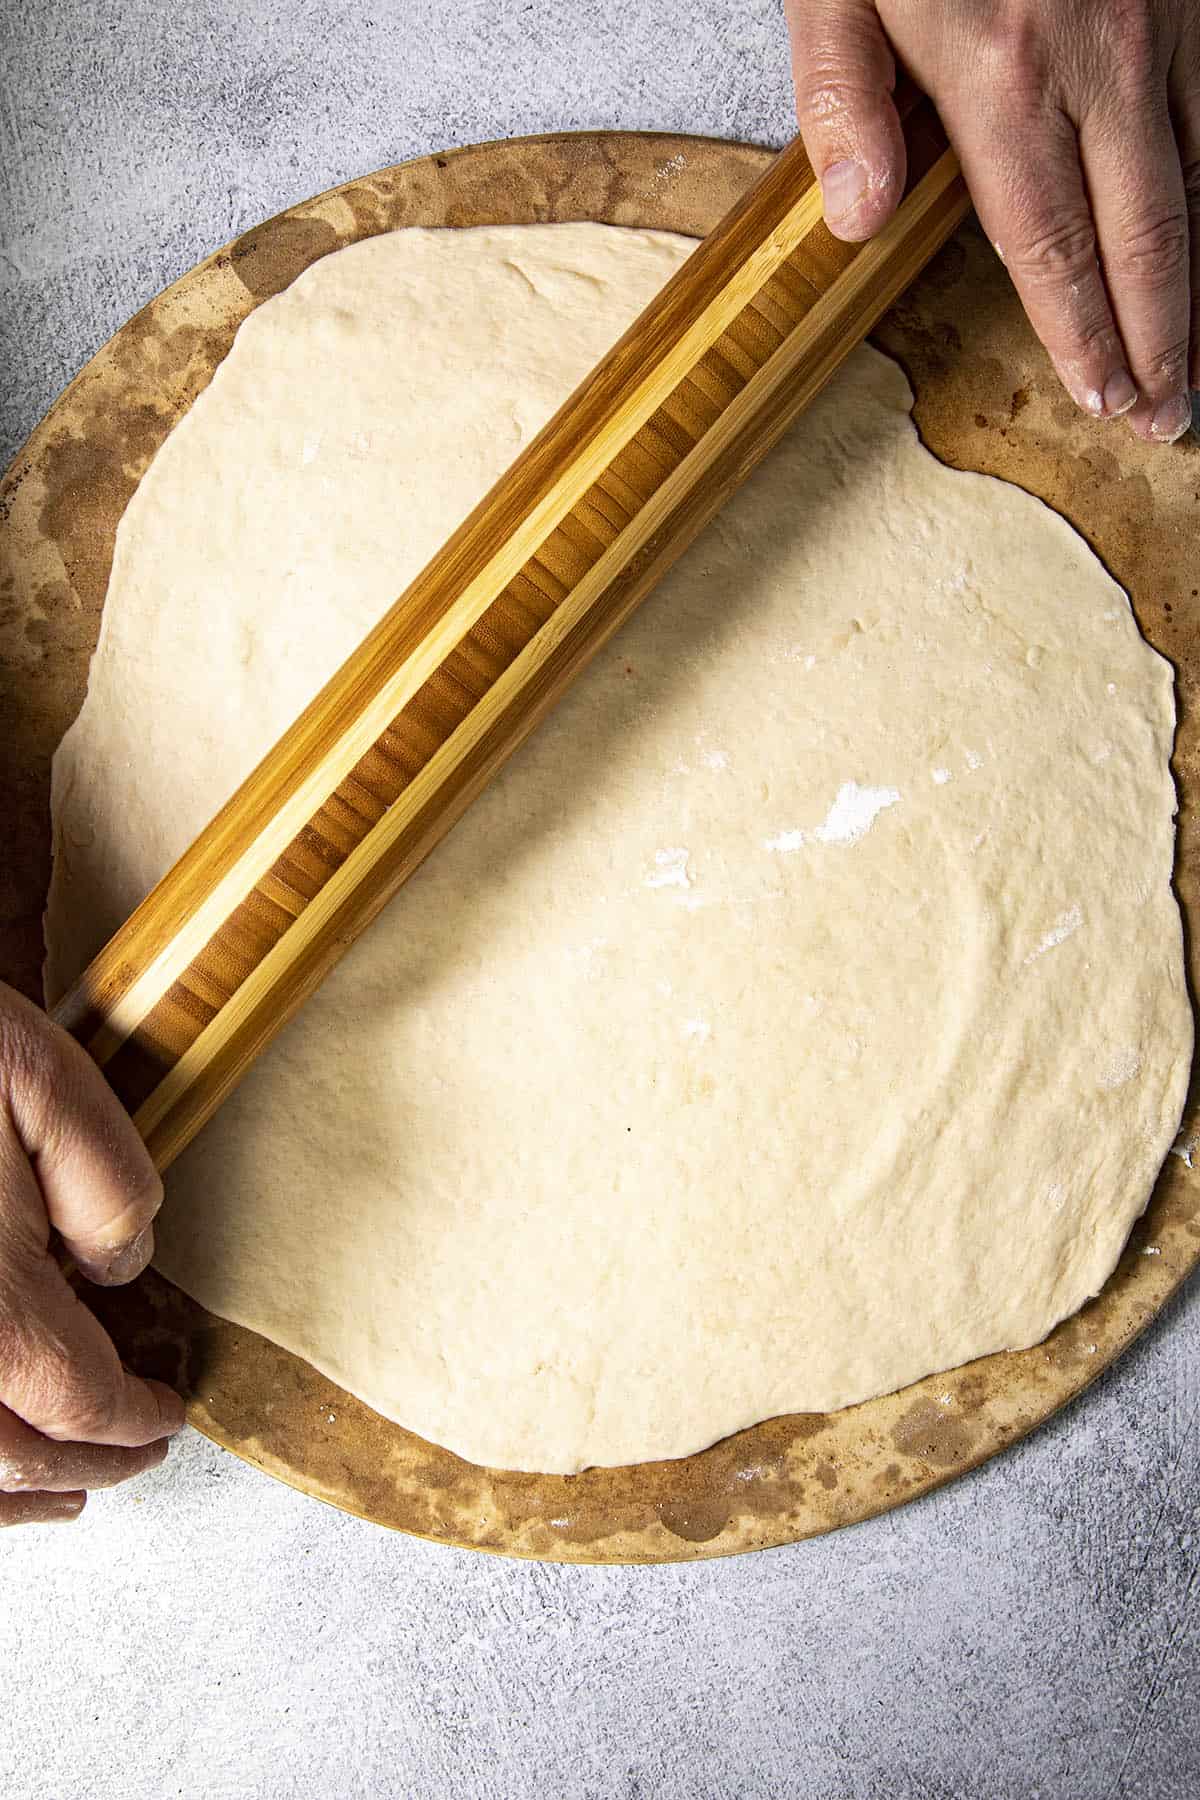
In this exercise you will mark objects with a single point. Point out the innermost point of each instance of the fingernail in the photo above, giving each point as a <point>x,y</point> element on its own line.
<point>1119,394</point>
<point>124,1264</point>
<point>133,1258</point>
<point>1172,419</point>
<point>842,186</point>
<point>62,1508</point>
<point>171,1410</point>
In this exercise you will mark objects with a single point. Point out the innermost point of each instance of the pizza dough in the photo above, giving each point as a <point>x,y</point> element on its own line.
<point>801,1011</point>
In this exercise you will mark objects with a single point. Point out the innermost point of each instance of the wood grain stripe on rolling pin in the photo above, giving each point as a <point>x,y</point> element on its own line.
<point>648,495</point>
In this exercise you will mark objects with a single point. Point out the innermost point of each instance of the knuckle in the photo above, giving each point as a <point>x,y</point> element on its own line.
<point>33,1069</point>
<point>1132,38</point>
<point>16,1349</point>
<point>835,81</point>
<point>1022,50</point>
<point>827,97</point>
<point>1094,334</point>
<point>82,1405</point>
<point>1056,250</point>
<point>12,1345</point>
<point>17,1057</point>
<point>1011,42</point>
<point>1153,251</point>
<point>1166,368</point>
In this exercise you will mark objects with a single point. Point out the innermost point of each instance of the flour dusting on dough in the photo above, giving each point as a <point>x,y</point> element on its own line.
<point>670,870</point>
<point>1125,1066</point>
<point>854,812</point>
<point>1065,927</point>
<point>851,816</point>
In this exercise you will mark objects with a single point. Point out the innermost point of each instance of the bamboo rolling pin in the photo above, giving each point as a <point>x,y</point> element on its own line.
<point>391,752</point>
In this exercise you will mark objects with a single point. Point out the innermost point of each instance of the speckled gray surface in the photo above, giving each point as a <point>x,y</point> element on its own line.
<point>1028,1632</point>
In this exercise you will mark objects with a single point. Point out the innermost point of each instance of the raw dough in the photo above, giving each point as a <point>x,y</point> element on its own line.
<point>802,1011</point>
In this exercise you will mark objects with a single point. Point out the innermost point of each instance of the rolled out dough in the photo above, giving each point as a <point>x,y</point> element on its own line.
<point>803,1009</point>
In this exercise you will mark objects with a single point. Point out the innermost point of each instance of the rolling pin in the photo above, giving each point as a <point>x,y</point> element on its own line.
<point>394,748</point>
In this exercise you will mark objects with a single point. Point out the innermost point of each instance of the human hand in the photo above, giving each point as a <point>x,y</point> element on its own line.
<point>1077,125</point>
<point>71,1417</point>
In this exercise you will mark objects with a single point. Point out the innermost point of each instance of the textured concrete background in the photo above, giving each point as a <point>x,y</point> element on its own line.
<point>1028,1632</point>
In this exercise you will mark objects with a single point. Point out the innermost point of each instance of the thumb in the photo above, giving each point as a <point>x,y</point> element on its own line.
<point>100,1188</point>
<point>845,72</point>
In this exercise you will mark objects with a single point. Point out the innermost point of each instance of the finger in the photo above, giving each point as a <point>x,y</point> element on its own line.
<point>845,72</point>
<point>31,1463</point>
<point>59,1370</point>
<point>1184,91</point>
<point>40,1509</point>
<point>1138,201</point>
<point>99,1187</point>
<point>1027,184</point>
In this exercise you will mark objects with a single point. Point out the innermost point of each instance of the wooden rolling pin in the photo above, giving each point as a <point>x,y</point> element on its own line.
<point>396,746</point>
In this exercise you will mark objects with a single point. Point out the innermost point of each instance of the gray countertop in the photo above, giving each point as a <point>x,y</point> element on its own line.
<point>1029,1631</point>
